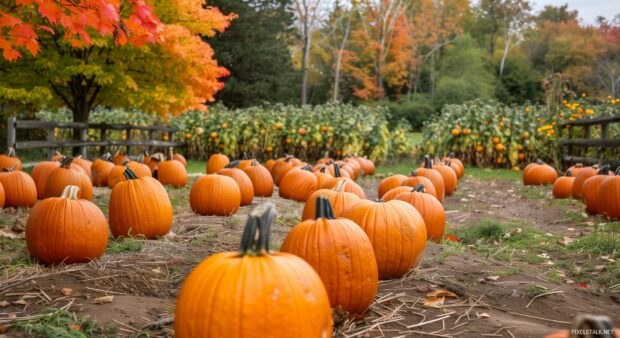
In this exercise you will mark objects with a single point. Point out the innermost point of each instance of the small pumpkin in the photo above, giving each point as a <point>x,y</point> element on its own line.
<point>10,160</point>
<point>563,186</point>
<point>575,169</point>
<point>119,158</point>
<point>243,181</point>
<point>40,173</point>
<point>139,168</point>
<point>84,164</point>
<point>57,156</point>
<point>449,177</point>
<point>414,180</point>
<point>584,174</point>
<point>245,161</point>
<point>430,208</point>
<point>351,186</point>
<point>215,195</point>
<point>298,184</point>
<point>66,229</point>
<point>434,176</point>
<point>139,206</point>
<point>340,200</point>
<point>19,189</point>
<point>101,169</point>
<point>171,172</point>
<point>65,175</point>
<point>324,179</point>
<point>591,187</point>
<point>390,195</point>
<point>258,293</point>
<point>262,182</point>
<point>397,232</point>
<point>368,166</point>
<point>269,164</point>
<point>539,174</point>
<point>280,168</point>
<point>323,242</point>
<point>180,158</point>
<point>117,174</point>
<point>608,200</point>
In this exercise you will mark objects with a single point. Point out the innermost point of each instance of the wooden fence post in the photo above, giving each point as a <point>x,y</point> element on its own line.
<point>128,139</point>
<point>103,136</point>
<point>51,138</point>
<point>83,138</point>
<point>10,132</point>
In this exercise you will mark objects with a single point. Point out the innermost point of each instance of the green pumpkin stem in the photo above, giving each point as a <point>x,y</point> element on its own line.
<point>323,208</point>
<point>337,170</point>
<point>233,164</point>
<point>419,188</point>
<point>427,162</point>
<point>245,156</point>
<point>65,162</point>
<point>255,237</point>
<point>129,174</point>
<point>604,170</point>
<point>323,169</point>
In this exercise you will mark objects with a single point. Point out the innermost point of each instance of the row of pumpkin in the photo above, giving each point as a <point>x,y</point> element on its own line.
<point>597,186</point>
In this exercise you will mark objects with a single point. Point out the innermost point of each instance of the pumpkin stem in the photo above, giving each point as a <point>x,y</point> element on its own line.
<point>379,200</point>
<point>618,171</point>
<point>539,162</point>
<point>414,173</point>
<point>245,156</point>
<point>106,157</point>
<point>232,164</point>
<point>427,162</point>
<point>340,186</point>
<point>451,155</point>
<point>255,238</point>
<point>8,170</point>
<point>419,188</point>
<point>65,162</point>
<point>254,163</point>
<point>140,159</point>
<point>124,163</point>
<point>569,173</point>
<point>323,169</point>
<point>306,168</point>
<point>337,170</point>
<point>323,208</point>
<point>71,192</point>
<point>170,154</point>
<point>11,152</point>
<point>129,174</point>
<point>604,170</point>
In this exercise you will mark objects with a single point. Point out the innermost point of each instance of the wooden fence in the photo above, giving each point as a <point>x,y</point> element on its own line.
<point>103,142</point>
<point>576,149</point>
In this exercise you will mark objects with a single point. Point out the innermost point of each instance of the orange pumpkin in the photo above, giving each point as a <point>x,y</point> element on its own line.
<point>368,166</point>
<point>217,162</point>
<point>19,189</point>
<point>280,168</point>
<point>172,172</point>
<point>10,161</point>
<point>584,174</point>
<point>563,186</point>
<point>324,179</point>
<point>262,182</point>
<point>340,200</point>
<point>269,164</point>
<point>117,174</point>
<point>245,161</point>
<point>413,181</point>
<point>434,176</point>
<point>430,208</point>
<point>243,181</point>
<point>2,196</point>
<point>397,232</point>
<point>57,156</point>
<point>139,168</point>
<point>591,187</point>
<point>101,169</point>
<point>298,184</point>
<point>288,290</point>
<point>575,169</point>
<point>323,242</point>
<point>66,175</point>
<point>139,206</point>
<point>180,158</point>
<point>84,164</point>
<point>449,177</point>
<point>40,173</point>
<point>120,158</point>
<point>66,229</point>
<point>215,195</point>
<point>539,174</point>
<point>390,195</point>
<point>608,200</point>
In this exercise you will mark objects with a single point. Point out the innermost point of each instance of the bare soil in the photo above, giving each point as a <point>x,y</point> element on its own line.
<point>145,279</point>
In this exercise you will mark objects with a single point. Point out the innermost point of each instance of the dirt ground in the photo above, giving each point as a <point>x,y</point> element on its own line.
<point>494,298</point>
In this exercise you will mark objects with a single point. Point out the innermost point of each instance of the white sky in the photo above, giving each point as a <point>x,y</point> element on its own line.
<point>588,9</point>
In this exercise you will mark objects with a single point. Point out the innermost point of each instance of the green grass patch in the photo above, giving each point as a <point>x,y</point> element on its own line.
<point>13,254</point>
<point>415,138</point>
<point>535,192</point>
<point>126,245</point>
<point>450,248</point>
<point>179,197</point>
<point>196,167</point>
<point>400,168</point>
<point>56,323</point>
<point>493,174</point>
<point>598,244</point>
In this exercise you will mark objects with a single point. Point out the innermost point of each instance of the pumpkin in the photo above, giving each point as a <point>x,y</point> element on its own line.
<point>298,184</point>
<point>269,164</point>
<point>84,164</point>
<point>584,174</point>
<point>430,208</point>
<point>101,169</point>
<point>348,169</point>
<point>57,156</point>
<point>215,195</point>
<point>10,161</point>
<point>172,172</point>
<point>156,159</point>
<point>539,174</point>
<point>449,178</point>
<point>340,200</point>
<point>390,195</point>
<point>19,188</point>
<point>280,168</point>
<point>368,166</point>
<point>396,231</point>
<point>119,158</point>
<point>180,158</point>
<point>334,169</point>
<point>243,181</point>
<point>139,206</point>
<point>414,180</point>
<point>324,179</point>
<point>591,187</point>
<point>253,292</point>
<point>245,161</point>
<point>147,157</point>
<point>66,175</point>
<point>390,183</point>
<point>575,169</point>
<point>66,229</point>
<point>608,200</point>
<point>563,186</point>
<point>40,173</point>
<point>353,162</point>
<point>139,168</point>
<point>351,186</point>
<point>454,162</point>
<point>324,242</point>
<point>434,176</point>
<point>117,174</point>
<point>261,179</point>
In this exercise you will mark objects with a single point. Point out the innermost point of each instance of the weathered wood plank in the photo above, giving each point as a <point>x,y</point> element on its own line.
<point>582,142</point>
<point>593,121</point>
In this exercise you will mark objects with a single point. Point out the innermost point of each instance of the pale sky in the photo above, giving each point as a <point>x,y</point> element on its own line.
<point>588,9</point>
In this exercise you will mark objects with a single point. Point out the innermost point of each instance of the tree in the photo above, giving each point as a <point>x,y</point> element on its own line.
<point>607,68</point>
<point>308,14</point>
<point>256,52</point>
<point>175,74</point>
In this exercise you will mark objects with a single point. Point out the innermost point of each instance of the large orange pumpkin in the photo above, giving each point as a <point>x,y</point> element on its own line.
<point>66,229</point>
<point>397,232</point>
<point>139,206</point>
<point>608,200</point>
<point>243,181</point>
<point>262,182</point>
<point>539,174</point>
<point>340,200</point>
<point>413,181</point>
<point>342,255</point>
<point>253,292</point>
<point>430,208</point>
<point>591,187</point>
<point>40,173</point>
<point>215,195</point>
<point>217,162</point>
<point>434,176</point>
<point>101,169</point>
<point>563,186</point>
<point>584,174</point>
<point>66,175</point>
<point>19,188</point>
<point>172,172</point>
<point>390,183</point>
<point>280,168</point>
<point>390,195</point>
<point>10,161</point>
<point>298,184</point>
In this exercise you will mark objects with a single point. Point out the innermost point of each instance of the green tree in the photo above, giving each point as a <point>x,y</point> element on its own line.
<point>520,82</point>
<point>256,51</point>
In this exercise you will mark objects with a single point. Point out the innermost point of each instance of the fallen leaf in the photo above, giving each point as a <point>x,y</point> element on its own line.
<point>66,291</point>
<point>156,270</point>
<point>441,293</point>
<point>493,278</point>
<point>74,327</point>
<point>20,302</point>
<point>451,238</point>
<point>566,240</point>
<point>570,229</point>
<point>581,285</point>
<point>484,315</point>
<point>434,302</point>
<point>103,300</point>
<point>4,303</point>
<point>600,267</point>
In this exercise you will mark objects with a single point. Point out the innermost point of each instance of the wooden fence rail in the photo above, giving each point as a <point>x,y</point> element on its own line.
<point>52,144</point>
<point>576,148</point>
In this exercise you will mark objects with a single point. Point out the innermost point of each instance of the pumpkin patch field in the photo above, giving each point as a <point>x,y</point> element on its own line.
<point>336,247</point>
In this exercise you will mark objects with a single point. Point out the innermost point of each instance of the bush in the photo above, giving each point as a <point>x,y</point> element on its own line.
<point>415,110</point>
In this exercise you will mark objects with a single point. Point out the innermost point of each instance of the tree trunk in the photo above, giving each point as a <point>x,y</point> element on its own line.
<point>80,114</point>
<point>504,56</point>
<point>336,95</point>
<point>305,60</point>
